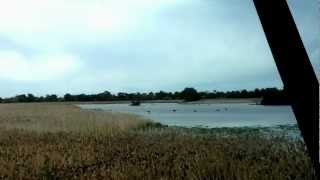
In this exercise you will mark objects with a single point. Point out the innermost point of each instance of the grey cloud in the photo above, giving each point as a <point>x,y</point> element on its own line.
<point>206,44</point>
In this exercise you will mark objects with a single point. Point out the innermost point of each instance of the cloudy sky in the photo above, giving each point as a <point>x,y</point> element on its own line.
<point>88,46</point>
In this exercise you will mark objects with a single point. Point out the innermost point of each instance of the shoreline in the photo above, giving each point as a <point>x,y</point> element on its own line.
<point>202,101</point>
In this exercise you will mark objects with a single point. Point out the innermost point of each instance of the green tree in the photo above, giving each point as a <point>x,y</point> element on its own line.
<point>161,95</point>
<point>190,94</point>
<point>68,97</point>
<point>21,98</point>
<point>105,96</point>
<point>31,98</point>
<point>122,96</point>
<point>51,98</point>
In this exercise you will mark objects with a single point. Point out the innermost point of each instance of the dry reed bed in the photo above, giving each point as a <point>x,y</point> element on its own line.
<point>58,117</point>
<point>29,152</point>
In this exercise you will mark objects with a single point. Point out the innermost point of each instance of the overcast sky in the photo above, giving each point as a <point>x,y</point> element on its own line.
<point>88,46</point>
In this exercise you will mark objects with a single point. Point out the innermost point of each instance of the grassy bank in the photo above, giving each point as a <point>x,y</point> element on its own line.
<point>62,141</point>
<point>58,117</point>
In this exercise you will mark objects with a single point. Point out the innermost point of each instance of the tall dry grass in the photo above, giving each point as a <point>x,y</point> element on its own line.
<point>57,141</point>
<point>55,117</point>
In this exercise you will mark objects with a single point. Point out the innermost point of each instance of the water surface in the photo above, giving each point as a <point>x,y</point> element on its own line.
<point>206,115</point>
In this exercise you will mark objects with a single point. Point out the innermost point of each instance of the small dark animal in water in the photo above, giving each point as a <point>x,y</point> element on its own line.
<point>194,110</point>
<point>135,103</point>
<point>217,109</point>
<point>149,111</point>
<point>174,110</point>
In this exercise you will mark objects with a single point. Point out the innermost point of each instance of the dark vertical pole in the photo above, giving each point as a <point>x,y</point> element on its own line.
<point>299,79</point>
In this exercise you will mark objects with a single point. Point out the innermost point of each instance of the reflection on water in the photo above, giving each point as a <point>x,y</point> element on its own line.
<point>206,115</point>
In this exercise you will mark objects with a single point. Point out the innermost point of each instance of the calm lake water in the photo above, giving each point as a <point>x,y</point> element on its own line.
<point>206,115</point>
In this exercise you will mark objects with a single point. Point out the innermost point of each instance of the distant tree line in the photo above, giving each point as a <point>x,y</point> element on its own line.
<point>24,98</point>
<point>188,94</point>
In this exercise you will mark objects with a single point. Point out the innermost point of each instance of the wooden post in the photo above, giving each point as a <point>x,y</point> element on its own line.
<point>299,79</point>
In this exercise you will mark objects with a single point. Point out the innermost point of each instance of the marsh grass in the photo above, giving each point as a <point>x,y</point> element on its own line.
<point>55,117</point>
<point>63,142</point>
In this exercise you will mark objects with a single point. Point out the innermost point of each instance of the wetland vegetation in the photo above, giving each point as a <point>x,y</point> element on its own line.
<point>59,141</point>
